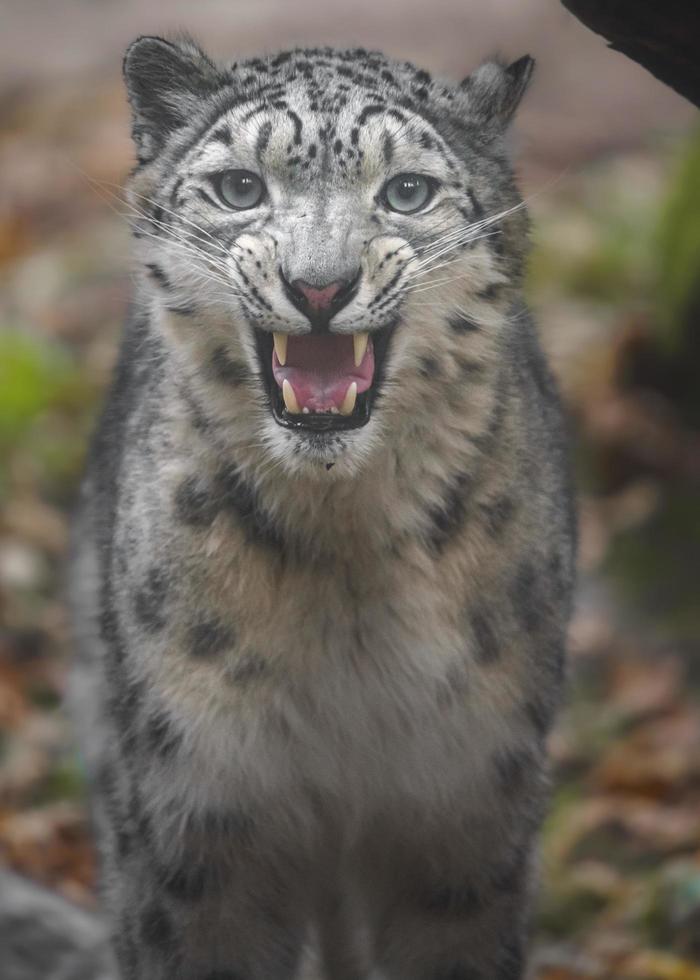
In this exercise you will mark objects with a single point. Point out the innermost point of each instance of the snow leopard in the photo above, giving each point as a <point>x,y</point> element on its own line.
<point>323,558</point>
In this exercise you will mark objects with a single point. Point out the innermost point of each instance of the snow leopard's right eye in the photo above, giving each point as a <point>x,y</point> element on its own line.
<point>239,189</point>
<point>408,193</point>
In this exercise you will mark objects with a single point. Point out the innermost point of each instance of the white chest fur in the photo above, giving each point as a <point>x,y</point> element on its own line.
<point>363,695</point>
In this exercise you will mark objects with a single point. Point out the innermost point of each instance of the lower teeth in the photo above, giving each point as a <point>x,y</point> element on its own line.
<point>333,410</point>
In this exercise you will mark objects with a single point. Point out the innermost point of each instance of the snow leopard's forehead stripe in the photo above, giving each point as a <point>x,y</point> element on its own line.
<point>325,82</point>
<point>276,137</point>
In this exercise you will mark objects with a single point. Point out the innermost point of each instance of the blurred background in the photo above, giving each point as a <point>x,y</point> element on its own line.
<point>610,159</point>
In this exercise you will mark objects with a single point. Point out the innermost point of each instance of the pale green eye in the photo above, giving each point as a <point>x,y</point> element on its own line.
<point>240,189</point>
<point>408,192</point>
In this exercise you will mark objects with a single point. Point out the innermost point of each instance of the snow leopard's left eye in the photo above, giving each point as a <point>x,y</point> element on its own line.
<point>241,189</point>
<point>407,193</point>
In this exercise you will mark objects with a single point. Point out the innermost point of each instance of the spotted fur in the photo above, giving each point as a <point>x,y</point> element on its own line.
<point>317,668</point>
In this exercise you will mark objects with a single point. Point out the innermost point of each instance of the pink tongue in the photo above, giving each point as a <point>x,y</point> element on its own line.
<point>320,369</point>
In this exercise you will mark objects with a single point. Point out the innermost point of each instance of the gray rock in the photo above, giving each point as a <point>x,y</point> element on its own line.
<point>45,937</point>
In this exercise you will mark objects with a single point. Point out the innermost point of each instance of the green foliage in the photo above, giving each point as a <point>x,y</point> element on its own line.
<point>678,284</point>
<point>656,564</point>
<point>65,781</point>
<point>626,248</point>
<point>601,252</point>
<point>33,376</point>
<point>46,404</point>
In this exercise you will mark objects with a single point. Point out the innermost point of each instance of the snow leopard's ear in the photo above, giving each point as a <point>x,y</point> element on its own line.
<point>165,82</point>
<point>494,90</point>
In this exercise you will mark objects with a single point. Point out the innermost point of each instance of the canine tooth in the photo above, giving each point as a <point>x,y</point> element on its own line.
<point>290,399</point>
<point>280,340</point>
<point>359,341</point>
<point>349,400</point>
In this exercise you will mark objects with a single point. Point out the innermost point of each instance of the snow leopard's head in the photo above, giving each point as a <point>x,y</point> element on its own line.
<point>330,238</point>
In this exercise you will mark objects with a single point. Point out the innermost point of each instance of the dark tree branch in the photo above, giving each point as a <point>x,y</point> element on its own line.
<point>661,35</point>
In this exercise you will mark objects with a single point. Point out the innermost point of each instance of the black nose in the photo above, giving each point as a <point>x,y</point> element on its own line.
<point>319,303</point>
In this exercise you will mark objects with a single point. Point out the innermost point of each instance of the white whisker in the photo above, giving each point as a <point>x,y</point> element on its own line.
<point>122,195</point>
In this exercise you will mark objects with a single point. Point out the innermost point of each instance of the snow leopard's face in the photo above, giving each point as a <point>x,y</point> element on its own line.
<point>313,224</point>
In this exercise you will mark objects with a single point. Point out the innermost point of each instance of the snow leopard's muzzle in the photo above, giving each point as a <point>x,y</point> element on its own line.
<point>323,349</point>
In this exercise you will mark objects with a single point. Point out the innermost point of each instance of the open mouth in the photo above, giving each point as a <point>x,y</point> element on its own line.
<point>323,381</point>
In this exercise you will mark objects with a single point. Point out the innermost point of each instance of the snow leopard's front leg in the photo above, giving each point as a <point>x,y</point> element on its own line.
<point>457,892</point>
<point>205,896</point>
<point>458,936</point>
